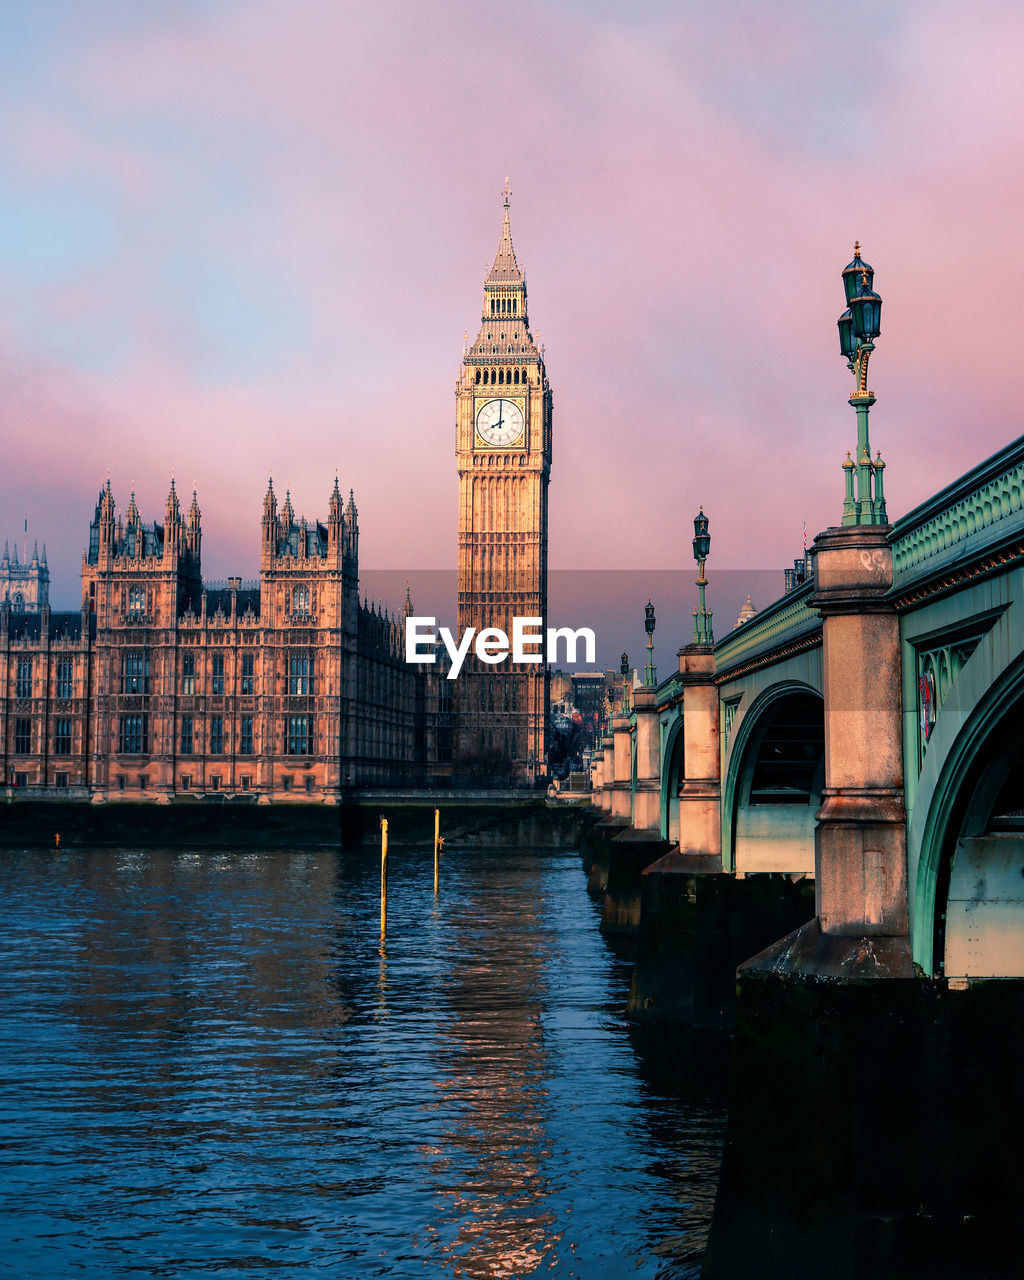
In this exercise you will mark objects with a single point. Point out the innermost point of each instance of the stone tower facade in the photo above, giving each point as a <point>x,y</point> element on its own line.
<point>503,450</point>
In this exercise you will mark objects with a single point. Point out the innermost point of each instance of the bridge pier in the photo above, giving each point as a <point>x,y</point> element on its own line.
<point>861,841</point>
<point>638,845</point>
<point>835,1160</point>
<point>697,922</point>
<point>681,921</point>
<point>607,772</point>
<point>623,768</point>
<point>647,791</point>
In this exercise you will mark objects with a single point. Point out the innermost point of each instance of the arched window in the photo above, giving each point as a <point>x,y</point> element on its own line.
<point>300,601</point>
<point>501,375</point>
<point>477,379</point>
<point>515,376</point>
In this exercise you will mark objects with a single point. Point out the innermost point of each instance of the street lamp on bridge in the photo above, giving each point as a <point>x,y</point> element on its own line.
<point>702,632</point>
<point>624,668</point>
<point>650,673</point>
<point>859,326</point>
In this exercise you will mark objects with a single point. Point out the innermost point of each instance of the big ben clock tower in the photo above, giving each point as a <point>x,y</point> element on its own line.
<point>503,451</point>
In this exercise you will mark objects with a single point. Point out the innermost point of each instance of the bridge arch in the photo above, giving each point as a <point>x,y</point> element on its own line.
<point>966,833</point>
<point>773,781</point>
<point>673,766</point>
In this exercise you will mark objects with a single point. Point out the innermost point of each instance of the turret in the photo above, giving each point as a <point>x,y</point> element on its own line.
<point>270,528</point>
<point>133,527</point>
<point>193,530</point>
<point>335,519</point>
<point>172,524</point>
<point>352,528</point>
<point>108,532</point>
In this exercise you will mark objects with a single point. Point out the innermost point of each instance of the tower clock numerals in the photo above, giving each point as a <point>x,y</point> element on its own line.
<point>499,422</point>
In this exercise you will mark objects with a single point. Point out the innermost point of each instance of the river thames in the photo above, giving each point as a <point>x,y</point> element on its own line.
<point>211,1066</point>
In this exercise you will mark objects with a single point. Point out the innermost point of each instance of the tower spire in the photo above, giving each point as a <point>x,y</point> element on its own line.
<point>505,269</point>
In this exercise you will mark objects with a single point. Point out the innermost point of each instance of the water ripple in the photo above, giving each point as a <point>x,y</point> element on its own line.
<point>210,1065</point>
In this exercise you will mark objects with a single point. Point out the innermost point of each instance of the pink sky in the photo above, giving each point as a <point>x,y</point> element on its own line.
<point>246,239</point>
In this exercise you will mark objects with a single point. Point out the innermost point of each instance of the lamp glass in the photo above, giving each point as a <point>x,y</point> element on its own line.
<point>867,314</point>
<point>847,341</point>
<point>702,539</point>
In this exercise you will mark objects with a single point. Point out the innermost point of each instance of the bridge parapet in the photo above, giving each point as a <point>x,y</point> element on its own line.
<point>972,516</point>
<point>790,618</point>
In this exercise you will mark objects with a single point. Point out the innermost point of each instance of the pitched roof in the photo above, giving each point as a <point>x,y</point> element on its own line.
<point>505,269</point>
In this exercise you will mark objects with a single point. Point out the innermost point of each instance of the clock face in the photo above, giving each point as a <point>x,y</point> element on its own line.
<point>499,422</point>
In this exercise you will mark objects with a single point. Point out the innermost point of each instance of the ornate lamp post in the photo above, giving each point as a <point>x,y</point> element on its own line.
<point>624,668</point>
<point>650,672</point>
<point>702,632</point>
<point>859,326</point>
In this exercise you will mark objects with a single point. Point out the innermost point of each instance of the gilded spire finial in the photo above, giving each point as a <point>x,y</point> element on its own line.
<point>506,191</point>
<point>856,248</point>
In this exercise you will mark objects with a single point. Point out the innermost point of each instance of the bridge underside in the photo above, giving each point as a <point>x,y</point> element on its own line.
<point>966,831</point>
<point>774,770</point>
<point>983,934</point>
<point>779,788</point>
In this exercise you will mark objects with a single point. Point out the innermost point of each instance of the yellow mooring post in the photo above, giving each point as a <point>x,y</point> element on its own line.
<point>383,876</point>
<point>437,845</point>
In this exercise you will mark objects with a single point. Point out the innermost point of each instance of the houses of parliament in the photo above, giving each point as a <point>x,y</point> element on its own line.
<point>291,688</point>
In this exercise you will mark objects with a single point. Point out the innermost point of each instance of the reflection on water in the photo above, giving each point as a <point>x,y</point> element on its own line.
<point>211,1063</point>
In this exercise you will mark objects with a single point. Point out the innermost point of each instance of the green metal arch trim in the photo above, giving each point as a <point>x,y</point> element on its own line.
<point>985,690</point>
<point>669,727</point>
<point>743,731</point>
<point>668,744</point>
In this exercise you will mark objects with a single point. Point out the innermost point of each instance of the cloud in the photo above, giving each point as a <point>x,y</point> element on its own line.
<point>275,222</point>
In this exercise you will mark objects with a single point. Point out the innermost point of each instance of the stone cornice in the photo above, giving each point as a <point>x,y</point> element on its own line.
<point>772,656</point>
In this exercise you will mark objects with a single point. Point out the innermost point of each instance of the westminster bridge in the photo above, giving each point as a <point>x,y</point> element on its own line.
<point>863,735</point>
<point>865,729</point>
